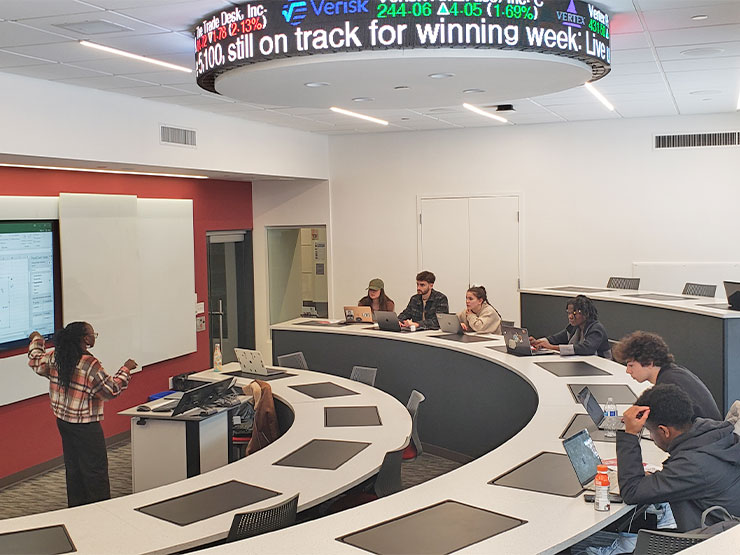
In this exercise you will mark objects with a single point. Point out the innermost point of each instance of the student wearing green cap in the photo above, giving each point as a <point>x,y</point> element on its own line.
<point>376,298</point>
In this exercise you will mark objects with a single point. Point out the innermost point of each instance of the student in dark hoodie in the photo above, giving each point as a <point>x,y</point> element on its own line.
<point>703,468</point>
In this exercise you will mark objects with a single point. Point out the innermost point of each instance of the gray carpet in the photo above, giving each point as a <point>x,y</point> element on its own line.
<point>48,492</point>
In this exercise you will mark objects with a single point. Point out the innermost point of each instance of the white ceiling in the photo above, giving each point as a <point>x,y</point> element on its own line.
<point>663,63</point>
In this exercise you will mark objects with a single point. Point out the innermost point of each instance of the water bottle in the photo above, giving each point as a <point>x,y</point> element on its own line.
<point>601,494</point>
<point>217,359</point>
<point>610,411</point>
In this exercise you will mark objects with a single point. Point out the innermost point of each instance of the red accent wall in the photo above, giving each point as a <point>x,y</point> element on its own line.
<point>29,435</point>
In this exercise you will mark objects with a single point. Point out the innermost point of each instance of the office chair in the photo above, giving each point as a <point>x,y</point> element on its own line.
<point>657,542</point>
<point>623,283</point>
<point>413,449</point>
<point>254,523</point>
<point>699,289</point>
<point>293,360</point>
<point>364,374</point>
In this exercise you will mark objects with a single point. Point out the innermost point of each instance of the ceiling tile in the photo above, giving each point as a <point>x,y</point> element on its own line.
<point>675,52</point>
<point>720,14</point>
<point>26,9</point>
<point>629,41</point>
<point>694,36</point>
<point>52,71</point>
<point>10,59</point>
<point>182,16</point>
<point>106,82</point>
<point>15,34</point>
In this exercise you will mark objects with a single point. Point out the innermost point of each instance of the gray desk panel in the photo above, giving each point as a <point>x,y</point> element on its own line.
<point>567,368</point>
<point>700,343</point>
<point>207,503</point>
<point>577,289</point>
<point>491,392</point>
<point>658,297</point>
<point>722,306</point>
<point>337,417</point>
<point>435,530</point>
<point>322,390</point>
<point>546,473</point>
<point>49,540</point>
<point>620,394</point>
<point>464,338</point>
<point>326,454</point>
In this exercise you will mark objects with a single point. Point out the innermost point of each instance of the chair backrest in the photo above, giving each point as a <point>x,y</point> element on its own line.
<point>253,523</point>
<point>293,360</point>
<point>364,374</point>
<point>415,399</point>
<point>656,542</point>
<point>623,283</point>
<point>699,289</point>
<point>388,480</point>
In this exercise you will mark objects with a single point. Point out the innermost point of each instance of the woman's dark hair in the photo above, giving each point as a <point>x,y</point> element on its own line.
<point>585,306</point>
<point>383,301</point>
<point>480,292</point>
<point>644,347</point>
<point>69,351</point>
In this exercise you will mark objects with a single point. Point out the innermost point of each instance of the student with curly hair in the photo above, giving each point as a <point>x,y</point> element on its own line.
<point>78,386</point>
<point>584,334</point>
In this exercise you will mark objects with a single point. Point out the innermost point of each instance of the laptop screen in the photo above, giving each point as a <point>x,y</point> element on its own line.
<point>583,456</point>
<point>592,406</point>
<point>732,288</point>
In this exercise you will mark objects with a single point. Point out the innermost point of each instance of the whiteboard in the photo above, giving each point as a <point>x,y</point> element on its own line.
<point>670,277</point>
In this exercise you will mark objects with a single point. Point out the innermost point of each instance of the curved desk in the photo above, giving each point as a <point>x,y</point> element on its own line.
<point>701,332</point>
<point>553,522</point>
<point>115,526</point>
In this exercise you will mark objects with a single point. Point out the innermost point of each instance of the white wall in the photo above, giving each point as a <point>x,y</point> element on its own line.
<point>56,120</point>
<point>595,198</point>
<point>283,203</point>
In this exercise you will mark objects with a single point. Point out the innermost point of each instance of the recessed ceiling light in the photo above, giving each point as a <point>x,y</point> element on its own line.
<point>441,75</point>
<point>401,88</point>
<point>599,96</point>
<point>700,17</point>
<point>363,99</point>
<point>356,115</point>
<point>134,56</point>
<point>472,91</point>
<point>480,112</point>
<point>315,84</point>
<point>706,92</point>
<point>702,52</point>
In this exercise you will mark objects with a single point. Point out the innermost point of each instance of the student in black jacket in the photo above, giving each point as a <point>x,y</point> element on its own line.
<point>584,335</point>
<point>647,358</point>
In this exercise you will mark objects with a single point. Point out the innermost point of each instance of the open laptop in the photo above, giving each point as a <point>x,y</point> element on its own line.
<point>516,342</point>
<point>450,324</point>
<point>732,290</point>
<point>251,363</point>
<point>388,321</point>
<point>585,458</point>
<point>596,412</point>
<point>358,314</point>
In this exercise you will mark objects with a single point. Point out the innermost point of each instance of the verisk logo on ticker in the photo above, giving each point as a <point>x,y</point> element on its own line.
<point>295,12</point>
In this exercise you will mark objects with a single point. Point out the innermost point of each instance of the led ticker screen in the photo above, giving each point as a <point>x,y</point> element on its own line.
<point>262,31</point>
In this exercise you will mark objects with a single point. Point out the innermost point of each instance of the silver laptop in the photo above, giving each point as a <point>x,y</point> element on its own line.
<point>388,321</point>
<point>449,323</point>
<point>585,458</point>
<point>251,362</point>
<point>596,412</point>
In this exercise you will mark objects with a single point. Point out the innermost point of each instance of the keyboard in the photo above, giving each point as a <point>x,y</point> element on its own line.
<point>167,407</point>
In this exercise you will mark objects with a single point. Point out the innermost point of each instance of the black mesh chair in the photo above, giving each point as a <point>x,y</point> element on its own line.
<point>623,283</point>
<point>364,374</point>
<point>657,542</point>
<point>254,523</point>
<point>699,289</point>
<point>414,449</point>
<point>293,360</point>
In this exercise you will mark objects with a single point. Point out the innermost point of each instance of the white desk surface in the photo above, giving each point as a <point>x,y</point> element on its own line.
<point>113,526</point>
<point>553,522</point>
<point>692,304</point>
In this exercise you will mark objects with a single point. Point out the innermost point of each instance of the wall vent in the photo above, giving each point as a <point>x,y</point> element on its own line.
<point>176,136</point>
<point>695,140</point>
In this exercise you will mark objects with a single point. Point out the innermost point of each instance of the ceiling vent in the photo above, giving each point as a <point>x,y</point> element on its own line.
<point>696,140</point>
<point>176,136</point>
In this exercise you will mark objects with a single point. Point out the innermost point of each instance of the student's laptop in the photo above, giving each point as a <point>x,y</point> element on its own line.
<point>358,314</point>
<point>732,289</point>
<point>251,362</point>
<point>516,341</point>
<point>388,321</point>
<point>596,412</point>
<point>450,324</point>
<point>585,458</point>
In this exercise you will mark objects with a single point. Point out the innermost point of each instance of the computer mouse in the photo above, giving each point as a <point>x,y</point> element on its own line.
<point>143,408</point>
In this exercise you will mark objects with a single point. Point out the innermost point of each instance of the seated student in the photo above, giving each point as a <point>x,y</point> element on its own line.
<point>423,307</point>
<point>376,298</point>
<point>479,315</point>
<point>703,468</point>
<point>647,358</point>
<point>584,335</point>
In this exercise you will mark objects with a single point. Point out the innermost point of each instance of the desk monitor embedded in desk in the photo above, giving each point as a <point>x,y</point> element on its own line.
<point>49,539</point>
<point>202,396</point>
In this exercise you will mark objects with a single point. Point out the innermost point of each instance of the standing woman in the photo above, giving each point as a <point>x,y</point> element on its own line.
<point>78,386</point>
<point>376,298</point>
<point>479,315</point>
<point>584,335</point>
